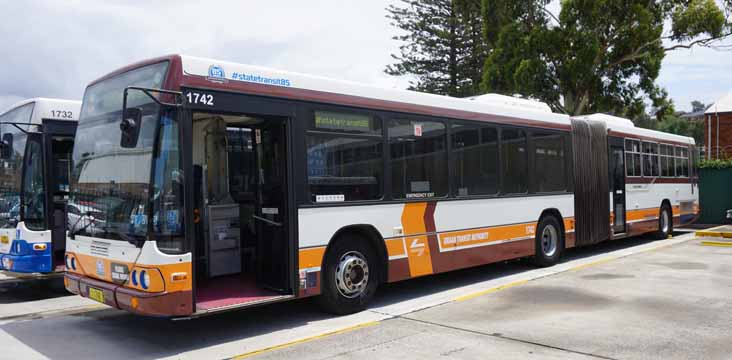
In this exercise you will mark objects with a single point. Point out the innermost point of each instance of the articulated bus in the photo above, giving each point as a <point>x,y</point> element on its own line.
<point>35,162</point>
<point>225,186</point>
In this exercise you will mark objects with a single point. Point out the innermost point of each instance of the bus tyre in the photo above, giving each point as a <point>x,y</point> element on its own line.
<point>665,222</point>
<point>549,242</point>
<point>350,276</point>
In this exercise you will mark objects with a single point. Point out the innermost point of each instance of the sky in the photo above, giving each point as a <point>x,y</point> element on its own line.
<point>54,48</point>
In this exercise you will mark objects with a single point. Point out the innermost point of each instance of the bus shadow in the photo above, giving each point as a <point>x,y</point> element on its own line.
<point>119,335</point>
<point>18,291</point>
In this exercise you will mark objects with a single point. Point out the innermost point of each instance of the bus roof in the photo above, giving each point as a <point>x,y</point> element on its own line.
<point>626,127</point>
<point>223,74</point>
<point>216,74</point>
<point>46,108</point>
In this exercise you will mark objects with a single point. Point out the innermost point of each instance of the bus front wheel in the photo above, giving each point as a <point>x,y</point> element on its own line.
<point>350,276</point>
<point>549,242</point>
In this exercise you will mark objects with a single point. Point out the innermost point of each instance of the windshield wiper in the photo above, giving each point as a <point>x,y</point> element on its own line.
<point>90,219</point>
<point>132,239</point>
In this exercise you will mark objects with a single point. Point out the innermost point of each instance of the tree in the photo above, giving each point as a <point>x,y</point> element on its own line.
<point>674,124</point>
<point>443,45</point>
<point>697,106</point>
<point>600,55</point>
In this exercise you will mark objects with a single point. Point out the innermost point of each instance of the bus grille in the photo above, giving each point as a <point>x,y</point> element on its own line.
<point>100,248</point>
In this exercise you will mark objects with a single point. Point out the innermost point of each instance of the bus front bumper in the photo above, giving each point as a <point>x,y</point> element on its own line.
<point>26,264</point>
<point>165,304</point>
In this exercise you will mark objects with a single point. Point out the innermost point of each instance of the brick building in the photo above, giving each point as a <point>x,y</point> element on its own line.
<point>718,128</point>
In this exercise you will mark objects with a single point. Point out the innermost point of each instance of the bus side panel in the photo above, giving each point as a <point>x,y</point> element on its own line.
<point>433,237</point>
<point>644,204</point>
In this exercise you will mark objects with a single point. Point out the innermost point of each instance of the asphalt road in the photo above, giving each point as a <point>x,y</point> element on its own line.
<point>631,298</point>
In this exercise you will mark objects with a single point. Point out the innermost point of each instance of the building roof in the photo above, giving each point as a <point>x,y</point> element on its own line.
<point>724,104</point>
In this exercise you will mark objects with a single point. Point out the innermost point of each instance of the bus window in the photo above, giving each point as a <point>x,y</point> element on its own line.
<point>650,159</point>
<point>632,157</point>
<point>549,162</point>
<point>515,161</point>
<point>475,154</point>
<point>667,161</point>
<point>418,158</point>
<point>33,188</point>
<point>345,157</point>
<point>682,162</point>
<point>167,204</point>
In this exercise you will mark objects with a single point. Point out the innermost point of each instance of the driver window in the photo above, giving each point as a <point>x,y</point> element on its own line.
<point>167,197</point>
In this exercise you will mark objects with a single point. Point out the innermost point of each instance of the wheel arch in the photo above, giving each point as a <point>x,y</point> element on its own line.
<point>557,214</point>
<point>372,236</point>
<point>667,202</point>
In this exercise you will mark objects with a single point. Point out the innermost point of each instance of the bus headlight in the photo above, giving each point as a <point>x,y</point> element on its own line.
<point>147,279</point>
<point>40,247</point>
<point>144,279</point>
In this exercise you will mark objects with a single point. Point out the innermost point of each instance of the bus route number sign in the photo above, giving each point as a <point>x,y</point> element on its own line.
<point>196,98</point>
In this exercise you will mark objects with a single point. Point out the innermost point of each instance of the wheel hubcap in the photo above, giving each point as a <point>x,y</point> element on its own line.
<point>549,239</point>
<point>352,274</point>
<point>664,221</point>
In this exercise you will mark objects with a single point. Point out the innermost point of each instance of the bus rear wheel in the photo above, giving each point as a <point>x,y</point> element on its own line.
<point>665,222</point>
<point>350,276</point>
<point>549,242</point>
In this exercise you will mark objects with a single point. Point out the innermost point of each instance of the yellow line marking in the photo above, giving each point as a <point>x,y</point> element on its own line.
<point>304,340</point>
<point>717,243</point>
<point>491,290</point>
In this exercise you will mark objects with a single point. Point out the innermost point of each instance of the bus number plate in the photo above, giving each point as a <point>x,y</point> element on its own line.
<point>96,294</point>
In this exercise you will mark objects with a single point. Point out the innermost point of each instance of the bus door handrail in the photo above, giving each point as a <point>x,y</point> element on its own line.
<point>268,221</point>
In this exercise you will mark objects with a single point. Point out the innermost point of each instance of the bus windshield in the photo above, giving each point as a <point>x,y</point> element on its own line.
<point>109,185</point>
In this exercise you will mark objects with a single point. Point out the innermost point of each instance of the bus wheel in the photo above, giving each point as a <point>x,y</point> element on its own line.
<point>549,242</point>
<point>665,223</point>
<point>350,276</point>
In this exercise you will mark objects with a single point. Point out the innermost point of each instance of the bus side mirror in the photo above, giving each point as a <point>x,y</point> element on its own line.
<point>6,146</point>
<point>130,127</point>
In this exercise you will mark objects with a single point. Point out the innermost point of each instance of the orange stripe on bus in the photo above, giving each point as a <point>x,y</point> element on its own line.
<point>642,214</point>
<point>312,257</point>
<point>395,247</point>
<point>475,237</point>
<point>418,247</point>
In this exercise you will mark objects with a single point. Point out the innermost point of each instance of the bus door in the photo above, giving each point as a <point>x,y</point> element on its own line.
<point>617,185</point>
<point>59,143</point>
<point>271,206</point>
<point>240,189</point>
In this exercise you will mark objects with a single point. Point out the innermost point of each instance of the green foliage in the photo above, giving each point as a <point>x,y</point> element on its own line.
<point>697,106</point>
<point>685,127</point>
<point>597,55</point>
<point>715,164</point>
<point>674,124</point>
<point>443,45</point>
